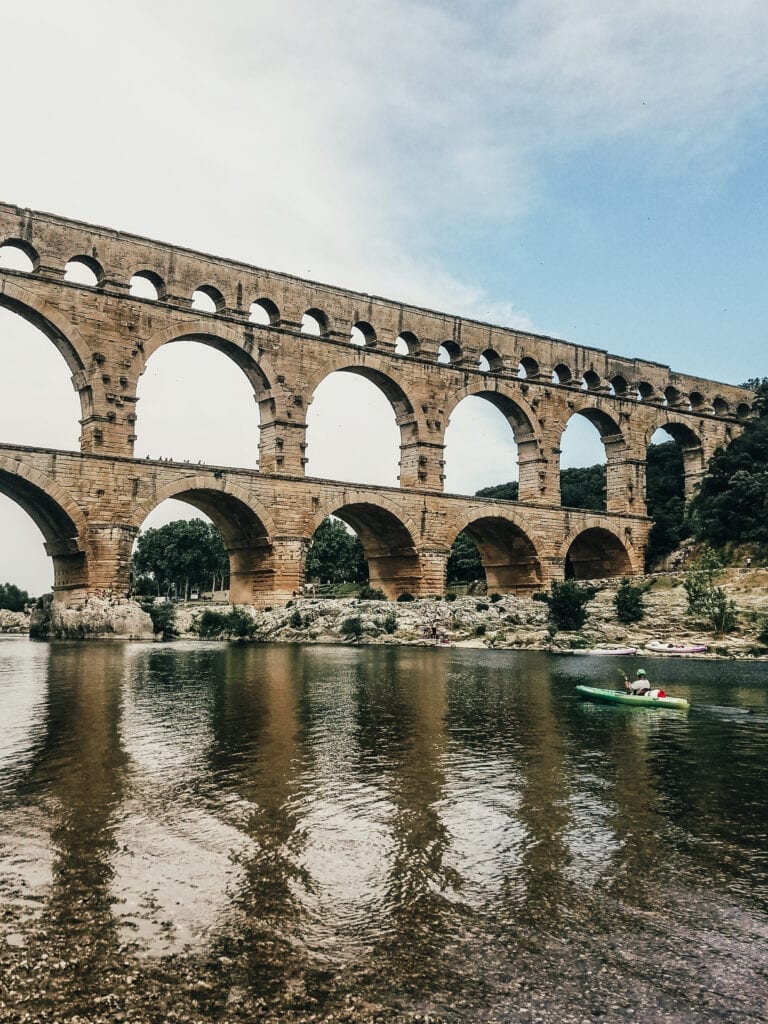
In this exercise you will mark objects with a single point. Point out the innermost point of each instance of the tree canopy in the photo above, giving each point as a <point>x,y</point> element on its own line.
<point>12,598</point>
<point>335,555</point>
<point>581,487</point>
<point>464,564</point>
<point>179,557</point>
<point>584,487</point>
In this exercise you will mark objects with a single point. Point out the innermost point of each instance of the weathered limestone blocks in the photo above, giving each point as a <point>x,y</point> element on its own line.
<point>92,508</point>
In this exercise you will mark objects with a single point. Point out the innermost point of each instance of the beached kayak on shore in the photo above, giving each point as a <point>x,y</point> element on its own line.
<point>624,652</point>
<point>619,697</point>
<point>664,647</point>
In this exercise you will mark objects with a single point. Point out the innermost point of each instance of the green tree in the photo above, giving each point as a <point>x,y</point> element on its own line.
<point>580,487</point>
<point>12,598</point>
<point>665,495</point>
<point>335,555</point>
<point>163,620</point>
<point>705,598</point>
<point>464,563</point>
<point>181,556</point>
<point>583,487</point>
<point>505,492</point>
<point>352,627</point>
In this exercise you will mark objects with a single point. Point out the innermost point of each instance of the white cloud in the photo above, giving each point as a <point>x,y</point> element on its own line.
<point>333,139</point>
<point>347,141</point>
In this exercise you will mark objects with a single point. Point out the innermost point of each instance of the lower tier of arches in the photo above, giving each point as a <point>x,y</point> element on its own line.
<point>90,510</point>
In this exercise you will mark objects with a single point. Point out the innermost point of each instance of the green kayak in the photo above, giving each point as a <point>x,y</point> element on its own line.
<point>619,697</point>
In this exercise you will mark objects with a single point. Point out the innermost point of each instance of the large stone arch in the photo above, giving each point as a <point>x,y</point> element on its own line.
<point>238,345</point>
<point>689,442</point>
<point>596,549</point>
<point>625,468</point>
<point>525,426</point>
<point>246,525</point>
<point>606,423</point>
<point>509,550</point>
<point>416,452</point>
<point>281,430</point>
<point>60,520</point>
<point>69,343</point>
<point>389,380</point>
<point>387,535</point>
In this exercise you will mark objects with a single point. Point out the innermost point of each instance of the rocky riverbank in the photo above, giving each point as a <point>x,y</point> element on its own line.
<point>93,619</point>
<point>14,622</point>
<point>475,621</point>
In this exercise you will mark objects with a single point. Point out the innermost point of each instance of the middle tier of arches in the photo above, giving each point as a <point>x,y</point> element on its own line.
<point>284,374</point>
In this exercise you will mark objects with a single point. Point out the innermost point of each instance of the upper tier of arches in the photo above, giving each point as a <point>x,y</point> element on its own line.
<point>153,272</point>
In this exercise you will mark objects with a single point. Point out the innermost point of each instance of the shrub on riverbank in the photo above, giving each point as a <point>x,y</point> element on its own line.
<point>163,616</point>
<point>705,598</point>
<point>237,623</point>
<point>567,603</point>
<point>628,602</point>
<point>352,627</point>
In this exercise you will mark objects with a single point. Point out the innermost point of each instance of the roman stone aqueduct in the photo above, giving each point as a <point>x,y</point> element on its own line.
<point>287,335</point>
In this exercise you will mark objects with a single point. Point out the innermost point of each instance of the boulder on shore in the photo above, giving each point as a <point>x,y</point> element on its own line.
<point>14,622</point>
<point>95,617</point>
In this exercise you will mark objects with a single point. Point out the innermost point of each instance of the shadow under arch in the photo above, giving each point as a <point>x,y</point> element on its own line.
<point>525,428</point>
<point>387,537</point>
<point>689,443</point>
<point>58,518</point>
<point>594,552</point>
<point>65,337</point>
<point>246,526</point>
<point>509,556</point>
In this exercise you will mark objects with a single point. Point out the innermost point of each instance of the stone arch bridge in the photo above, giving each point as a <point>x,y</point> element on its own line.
<point>287,335</point>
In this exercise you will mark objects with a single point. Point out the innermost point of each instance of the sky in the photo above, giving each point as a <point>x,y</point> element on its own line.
<point>589,169</point>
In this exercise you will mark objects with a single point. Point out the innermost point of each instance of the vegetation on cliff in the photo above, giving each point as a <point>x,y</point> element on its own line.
<point>731,506</point>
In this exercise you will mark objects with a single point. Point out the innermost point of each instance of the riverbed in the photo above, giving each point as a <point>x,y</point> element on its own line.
<point>227,832</point>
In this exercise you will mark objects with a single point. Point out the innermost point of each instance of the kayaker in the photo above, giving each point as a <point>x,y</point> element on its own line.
<point>640,685</point>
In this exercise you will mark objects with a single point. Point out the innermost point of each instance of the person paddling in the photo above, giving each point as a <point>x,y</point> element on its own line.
<point>641,685</point>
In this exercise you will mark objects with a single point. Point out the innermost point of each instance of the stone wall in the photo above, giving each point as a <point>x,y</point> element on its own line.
<point>287,335</point>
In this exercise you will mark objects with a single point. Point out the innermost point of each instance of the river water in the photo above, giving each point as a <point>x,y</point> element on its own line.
<point>241,832</point>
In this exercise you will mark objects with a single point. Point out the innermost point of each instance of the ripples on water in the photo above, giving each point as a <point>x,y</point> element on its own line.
<point>439,828</point>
